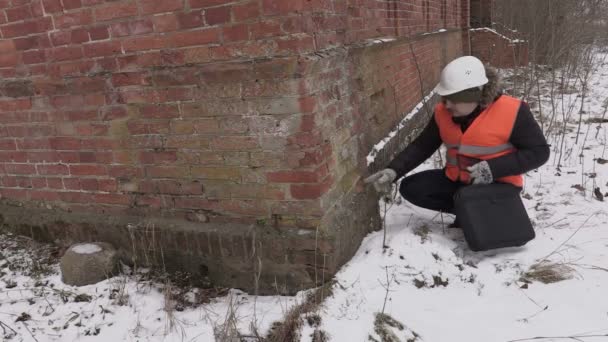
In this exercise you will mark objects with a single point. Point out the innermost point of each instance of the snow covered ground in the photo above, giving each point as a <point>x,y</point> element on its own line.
<point>427,281</point>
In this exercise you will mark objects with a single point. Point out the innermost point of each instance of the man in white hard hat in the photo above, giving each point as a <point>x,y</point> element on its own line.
<point>489,137</point>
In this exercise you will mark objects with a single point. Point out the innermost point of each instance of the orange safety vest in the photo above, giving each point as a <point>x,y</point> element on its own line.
<point>487,137</point>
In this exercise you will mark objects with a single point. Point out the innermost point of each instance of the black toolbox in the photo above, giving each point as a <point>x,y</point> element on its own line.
<point>492,216</point>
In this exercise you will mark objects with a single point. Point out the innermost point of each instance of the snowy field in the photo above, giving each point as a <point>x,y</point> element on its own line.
<point>427,284</point>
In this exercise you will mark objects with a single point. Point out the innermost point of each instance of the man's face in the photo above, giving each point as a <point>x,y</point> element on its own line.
<point>459,108</point>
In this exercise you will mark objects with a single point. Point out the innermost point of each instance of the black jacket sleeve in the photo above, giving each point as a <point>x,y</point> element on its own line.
<point>418,150</point>
<point>532,148</point>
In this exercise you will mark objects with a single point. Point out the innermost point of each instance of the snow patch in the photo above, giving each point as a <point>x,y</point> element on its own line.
<point>86,248</point>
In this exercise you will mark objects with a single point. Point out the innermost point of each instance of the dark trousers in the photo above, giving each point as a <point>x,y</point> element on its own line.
<point>431,190</point>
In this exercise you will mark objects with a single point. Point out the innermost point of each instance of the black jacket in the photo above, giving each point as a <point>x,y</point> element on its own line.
<point>527,137</point>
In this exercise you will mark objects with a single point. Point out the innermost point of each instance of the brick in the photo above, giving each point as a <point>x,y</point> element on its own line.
<point>33,144</point>
<point>266,28</point>
<point>158,157</point>
<point>146,43</point>
<point>42,157</point>
<point>8,45</point>
<point>61,38</point>
<point>71,4</point>
<point>79,18</point>
<point>88,170</point>
<point>107,185</point>
<point>38,183</point>
<point>69,183</point>
<point>20,169</point>
<point>65,143</point>
<point>36,41</point>
<point>309,191</point>
<point>246,11</point>
<point>99,33</point>
<point>197,55</point>
<point>190,20</point>
<point>272,7</point>
<point>52,6</point>
<point>17,88</point>
<point>219,173</point>
<point>52,169</point>
<point>113,113</point>
<point>76,197</point>
<point>18,13</point>
<point>156,6</point>
<point>236,33</point>
<point>33,57</point>
<point>8,60</point>
<point>16,194</point>
<point>117,199</point>
<point>206,126</point>
<point>8,144</point>
<point>165,22</point>
<point>98,49</point>
<point>88,184</point>
<point>205,3</point>
<point>67,101</point>
<point>235,143</point>
<point>115,10</point>
<point>292,177</point>
<point>128,79</point>
<point>13,156</point>
<point>296,45</point>
<point>65,53</point>
<point>175,77</point>
<point>42,195</point>
<point>198,37</point>
<point>15,105</point>
<point>168,172</point>
<point>218,15</point>
<point>131,28</point>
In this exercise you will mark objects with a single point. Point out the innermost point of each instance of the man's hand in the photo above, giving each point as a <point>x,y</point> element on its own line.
<point>382,180</point>
<point>481,173</point>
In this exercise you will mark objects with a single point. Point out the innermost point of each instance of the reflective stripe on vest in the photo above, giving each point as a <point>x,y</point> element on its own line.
<point>470,149</point>
<point>487,137</point>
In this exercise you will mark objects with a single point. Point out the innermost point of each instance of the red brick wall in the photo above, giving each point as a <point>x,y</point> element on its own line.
<point>249,112</point>
<point>497,49</point>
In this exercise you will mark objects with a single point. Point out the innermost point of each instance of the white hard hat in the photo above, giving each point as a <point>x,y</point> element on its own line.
<point>460,74</point>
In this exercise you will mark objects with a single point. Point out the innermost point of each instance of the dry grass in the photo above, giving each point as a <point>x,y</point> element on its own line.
<point>289,329</point>
<point>548,273</point>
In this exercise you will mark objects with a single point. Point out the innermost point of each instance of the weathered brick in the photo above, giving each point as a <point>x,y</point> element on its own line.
<point>52,169</point>
<point>235,143</point>
<point>165,22</point>
<point>97,49</point>
<point>272,7</point>
<point>115,10</point>
<point>18,13</point>
<point>155,6</point>
<point>198,37</point>
<point>190,19</point>
<point>292,177</point>
<point>52,6</point>
<point>221,173</point>
<point>168,172</point>
<point>78,18</point>
<point>99,33</point>
<point>205,3</point>
<point>88,170</point>
<point>246,11</point>
<point>218,15</point>
<point>236,33</point>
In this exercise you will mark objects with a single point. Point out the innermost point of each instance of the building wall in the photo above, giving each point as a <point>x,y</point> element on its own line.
<point>235,129</point>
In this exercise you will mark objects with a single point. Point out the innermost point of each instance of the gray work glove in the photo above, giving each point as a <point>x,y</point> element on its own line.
<point>481,173</point>
<point>382,180</point>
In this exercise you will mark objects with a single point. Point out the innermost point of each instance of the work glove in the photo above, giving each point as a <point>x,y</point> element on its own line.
<point>382,180</point>
<point>480,173</point>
